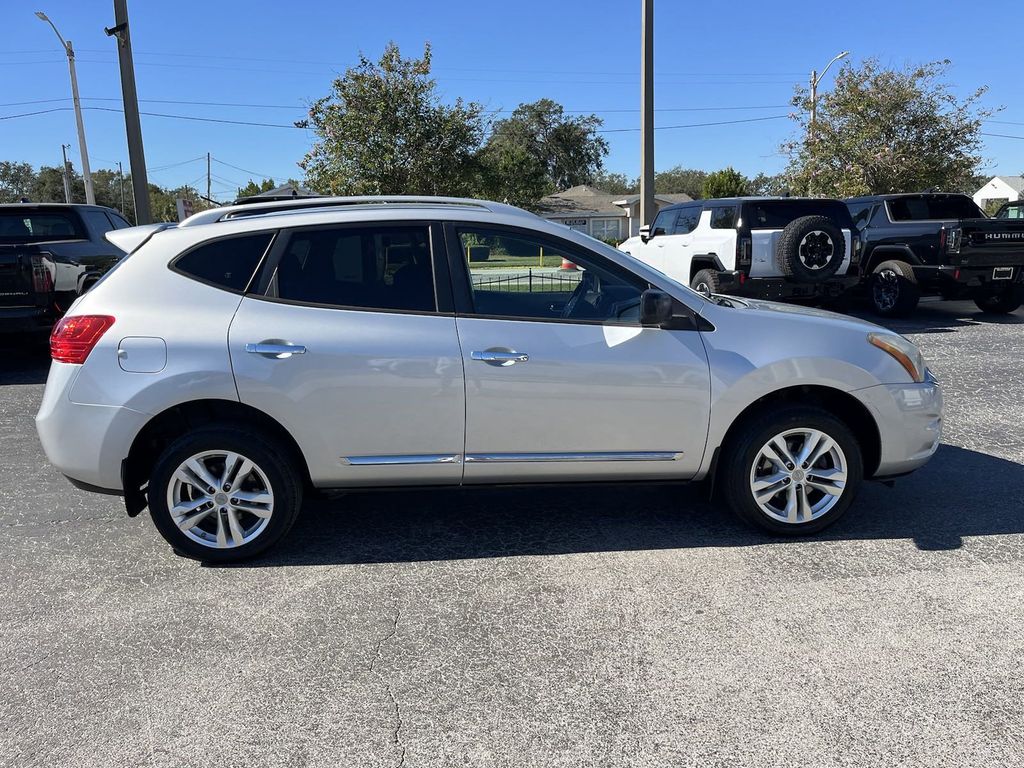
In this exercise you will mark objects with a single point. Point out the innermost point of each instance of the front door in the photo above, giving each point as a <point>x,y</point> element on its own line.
<point>562,382</point>
<point>344,345</point>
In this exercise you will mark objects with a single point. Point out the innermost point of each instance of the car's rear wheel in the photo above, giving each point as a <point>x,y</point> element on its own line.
<point>1001,303</point>
<point>894,291</point>
<point>792,471</point>
<point>222,494</point>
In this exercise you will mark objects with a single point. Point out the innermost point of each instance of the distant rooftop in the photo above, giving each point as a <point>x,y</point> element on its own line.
<point>585,200</point>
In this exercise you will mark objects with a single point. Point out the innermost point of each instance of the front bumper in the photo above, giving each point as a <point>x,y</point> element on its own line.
<point>86,443</point>
<point>909,419</point>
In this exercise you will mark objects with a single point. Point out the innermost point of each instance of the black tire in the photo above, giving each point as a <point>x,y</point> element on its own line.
<point>271,459</point>
<point>1002,303</point>
<point>893,289</point>
<point>706,282</point>
<point>810,249</point>
<point>742,450</point>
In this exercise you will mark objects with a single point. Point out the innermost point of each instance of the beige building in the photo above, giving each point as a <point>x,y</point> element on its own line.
<point>598,213</point>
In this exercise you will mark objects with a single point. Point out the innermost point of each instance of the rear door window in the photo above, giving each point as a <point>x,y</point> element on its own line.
<point>688,219</point>
<point>98,222</point>
<point>226,263</point>
<point>382,268</point>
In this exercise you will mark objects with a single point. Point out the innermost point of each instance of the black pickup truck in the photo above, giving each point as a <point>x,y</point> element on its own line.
<point>49,255</point>
<point>941,244</point>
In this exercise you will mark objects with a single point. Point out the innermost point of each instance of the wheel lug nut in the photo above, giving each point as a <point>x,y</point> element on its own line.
<point>234,501</point>
<point>789,465</point>
<point>804,465</point>
<point>227,486</point>
<point>211,489</point>
<point>785,481</point>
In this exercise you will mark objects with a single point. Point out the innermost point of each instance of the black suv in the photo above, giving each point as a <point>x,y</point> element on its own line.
<point>941,244</point>
<point>49,255</point>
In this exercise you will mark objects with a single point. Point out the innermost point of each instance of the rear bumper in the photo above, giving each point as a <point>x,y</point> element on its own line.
<point>738,284</point>
<point>968,277</point>
<point>86,443</point>
<point>909,419</point>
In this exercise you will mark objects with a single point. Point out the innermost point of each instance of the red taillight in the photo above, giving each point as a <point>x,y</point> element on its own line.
<point>74,337</point>
<point>42,280</point>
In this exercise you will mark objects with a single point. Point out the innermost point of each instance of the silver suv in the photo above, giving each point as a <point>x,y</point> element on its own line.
<point>249,354</point>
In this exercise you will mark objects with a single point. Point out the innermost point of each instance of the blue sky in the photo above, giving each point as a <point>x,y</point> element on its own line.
<point>714,62</point>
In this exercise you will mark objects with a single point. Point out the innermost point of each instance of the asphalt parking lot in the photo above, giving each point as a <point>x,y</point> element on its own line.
<point>627,626</point>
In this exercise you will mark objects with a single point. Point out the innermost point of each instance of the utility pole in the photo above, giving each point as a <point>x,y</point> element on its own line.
<point>207,176</point>
<point>648,207</point>
<point>133,128</point>
<point>67,181</point>
<point>120,183</point>
<point>90,198</point>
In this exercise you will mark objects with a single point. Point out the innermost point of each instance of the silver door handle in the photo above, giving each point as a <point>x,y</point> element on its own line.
<point>500,358</point>
<point>278,351</point>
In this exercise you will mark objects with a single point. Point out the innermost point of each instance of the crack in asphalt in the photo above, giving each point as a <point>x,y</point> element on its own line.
<point>396,735</point>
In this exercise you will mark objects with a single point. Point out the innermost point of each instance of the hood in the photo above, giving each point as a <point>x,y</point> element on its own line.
<point>775,309</point>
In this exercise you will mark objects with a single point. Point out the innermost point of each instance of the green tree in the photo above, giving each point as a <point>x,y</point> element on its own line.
<point>768,185</point>
<point>383,130</point>
<point>15,181</point>
<point>252,188</point>
<point>680,180</point>
<point>568,149</point>
<point>617,183</point>
<point>886,130</point>
<point>725,183</point>
<point>510,174</point>
<point>48,186</point>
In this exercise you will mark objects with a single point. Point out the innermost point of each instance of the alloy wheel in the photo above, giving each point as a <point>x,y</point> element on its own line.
<point>798,475</point>
<point>220,499</point>
<point>816,249</point>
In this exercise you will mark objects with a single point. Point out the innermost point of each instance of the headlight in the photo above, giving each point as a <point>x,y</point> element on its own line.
<point>903,351</point>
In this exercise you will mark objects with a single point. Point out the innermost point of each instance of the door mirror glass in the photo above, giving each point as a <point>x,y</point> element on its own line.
<point>655,308</point>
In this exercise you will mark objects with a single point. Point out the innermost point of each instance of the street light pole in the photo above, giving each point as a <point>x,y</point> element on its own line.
<point>811,133</point>
<point>90,198</point>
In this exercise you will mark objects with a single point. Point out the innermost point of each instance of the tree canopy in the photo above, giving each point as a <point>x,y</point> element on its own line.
<point>725,183</point>
<point>887,130</point>
<point>383,129</point>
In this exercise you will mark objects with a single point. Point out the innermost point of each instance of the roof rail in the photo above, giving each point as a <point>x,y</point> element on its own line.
<point>299,205</point>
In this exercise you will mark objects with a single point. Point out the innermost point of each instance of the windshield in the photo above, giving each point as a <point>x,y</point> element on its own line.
<point>934,208</point>
<point>37,226</point>
<point>777,214</point>
<point>1011,211</point>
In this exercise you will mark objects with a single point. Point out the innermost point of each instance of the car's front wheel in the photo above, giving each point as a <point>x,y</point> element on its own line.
<point>791,471</point>
<point>221,494</point>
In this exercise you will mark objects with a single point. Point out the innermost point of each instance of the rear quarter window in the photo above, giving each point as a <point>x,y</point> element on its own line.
<point>227,263</point>
<point>934,208</point>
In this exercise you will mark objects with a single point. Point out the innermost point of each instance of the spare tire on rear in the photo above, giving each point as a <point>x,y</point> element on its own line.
<point>810,249</point>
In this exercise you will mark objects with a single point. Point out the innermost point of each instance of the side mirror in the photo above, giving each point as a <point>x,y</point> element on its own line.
<point>655,308</point>
<point>645,232</point>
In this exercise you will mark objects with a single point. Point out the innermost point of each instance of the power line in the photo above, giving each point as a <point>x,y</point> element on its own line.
<point>697,125</point>
<point>1002,135</point>
<point>175,165</point>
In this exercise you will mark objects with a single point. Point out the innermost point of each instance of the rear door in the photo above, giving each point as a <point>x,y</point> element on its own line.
<point>350,343</point>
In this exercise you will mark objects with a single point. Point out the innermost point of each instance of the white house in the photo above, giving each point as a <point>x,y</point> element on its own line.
<point>1000,189</point>
<point>599,213</point>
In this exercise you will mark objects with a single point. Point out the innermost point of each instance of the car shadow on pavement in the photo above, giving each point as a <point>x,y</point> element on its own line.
<point>936,508</point>
<point>938,317</point>
<point>24,361</point>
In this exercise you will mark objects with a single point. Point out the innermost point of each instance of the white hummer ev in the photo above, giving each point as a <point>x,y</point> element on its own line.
<point>774,248</point>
